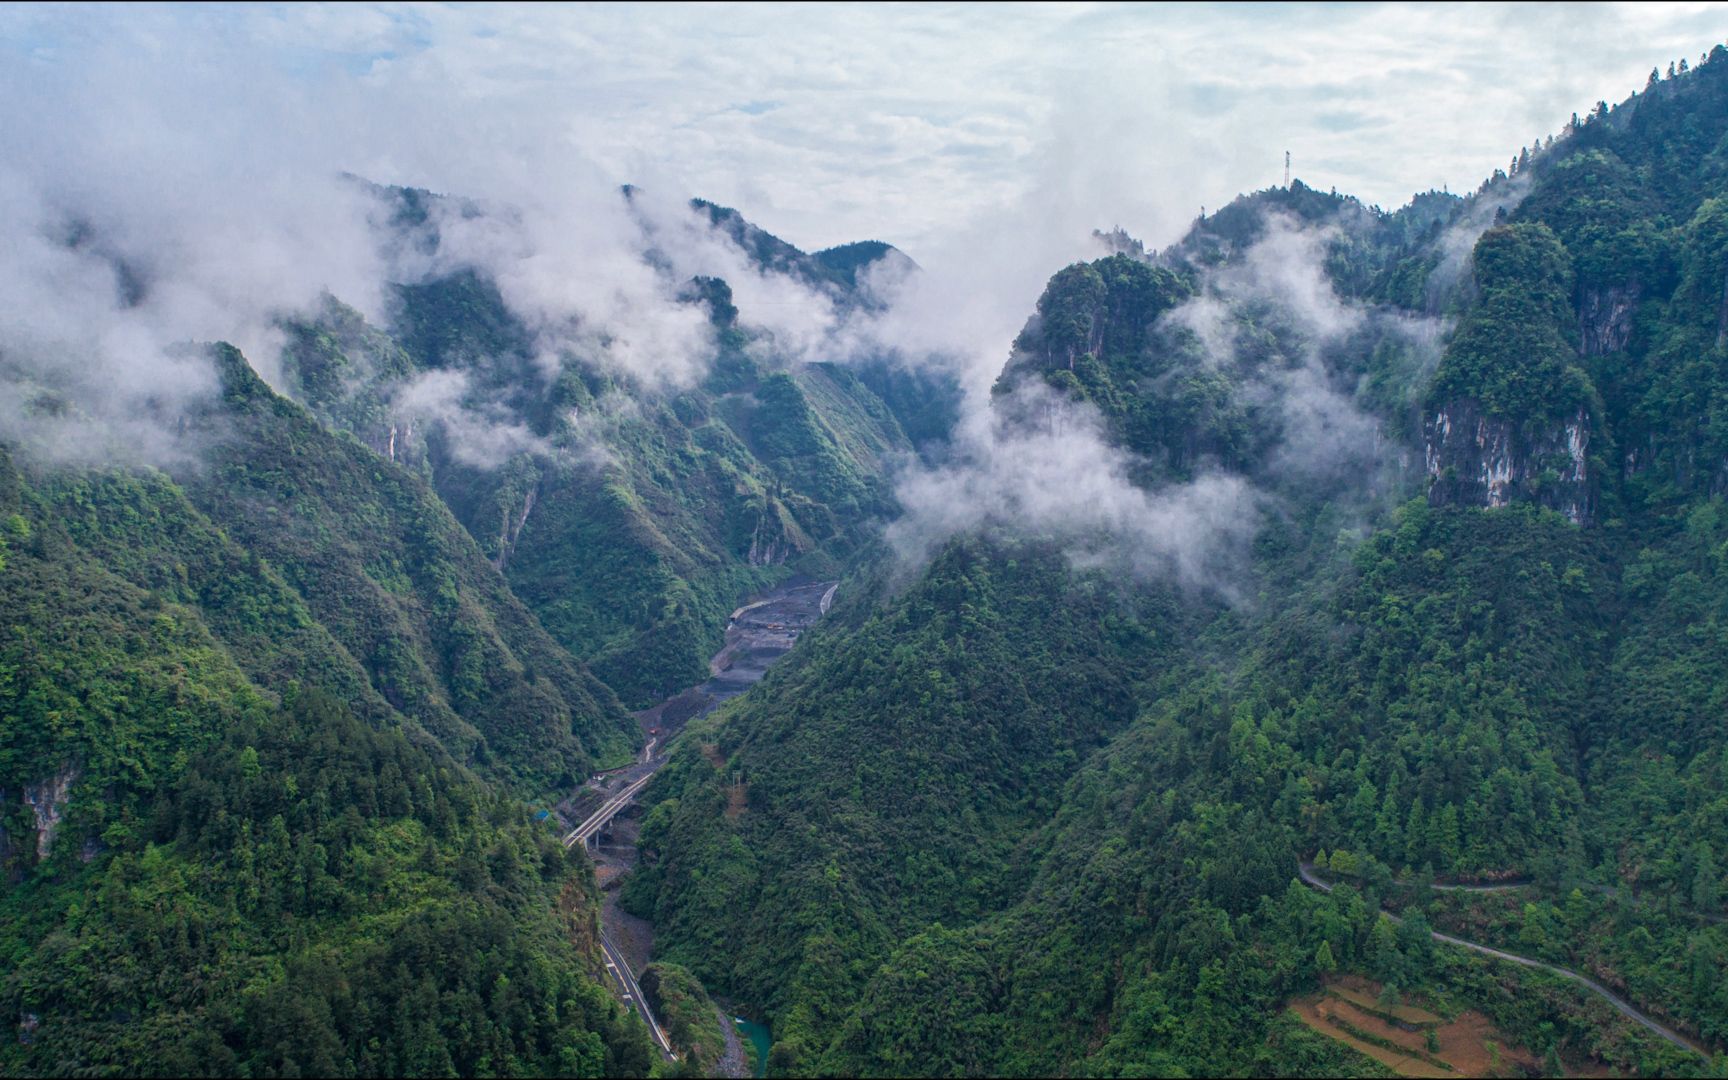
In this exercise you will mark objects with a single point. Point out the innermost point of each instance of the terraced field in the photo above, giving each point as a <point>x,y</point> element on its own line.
<point>1397,1036</point>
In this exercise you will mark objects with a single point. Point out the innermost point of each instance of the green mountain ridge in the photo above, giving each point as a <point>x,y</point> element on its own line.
<point>1510,671</point>
<point>645,515</point>
<point>275,720</point>
<point>274,715</point>
<point>262,715</point>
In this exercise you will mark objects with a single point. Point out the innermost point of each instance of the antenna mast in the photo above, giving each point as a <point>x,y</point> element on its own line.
<point>1286,168</point>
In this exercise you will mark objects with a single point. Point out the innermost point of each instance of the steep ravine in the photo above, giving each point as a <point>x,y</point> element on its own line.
<point>758,634</point>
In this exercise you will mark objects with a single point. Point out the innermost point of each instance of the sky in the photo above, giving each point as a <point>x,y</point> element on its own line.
<point>826,124</point>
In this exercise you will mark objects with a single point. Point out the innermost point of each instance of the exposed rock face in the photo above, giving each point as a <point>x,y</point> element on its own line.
<point>400,439</point>
<point>1605,319</point>
<point>1478,460</point>
<point>767,551</point>
<point>509,531</point>
<point>48,800</point>
<point>776,538</point>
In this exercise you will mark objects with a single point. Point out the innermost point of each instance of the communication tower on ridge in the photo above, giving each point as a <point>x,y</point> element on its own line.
<point>1286,168</point>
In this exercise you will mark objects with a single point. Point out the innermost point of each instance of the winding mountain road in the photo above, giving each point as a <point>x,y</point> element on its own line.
<point>1509,886</point>
<point>1313,880</point>
<point>615,961</point>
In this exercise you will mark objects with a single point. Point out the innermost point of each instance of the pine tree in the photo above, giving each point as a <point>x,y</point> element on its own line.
<point>1415,835</point>
<point>1323,959</point>
<point>1706,880</point>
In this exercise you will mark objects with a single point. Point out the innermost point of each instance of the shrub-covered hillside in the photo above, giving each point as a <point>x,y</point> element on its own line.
<point>265,728</point>
<point>1487,653</point>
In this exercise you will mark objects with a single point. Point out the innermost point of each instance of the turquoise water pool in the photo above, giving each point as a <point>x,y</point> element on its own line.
<point>760,1038</point>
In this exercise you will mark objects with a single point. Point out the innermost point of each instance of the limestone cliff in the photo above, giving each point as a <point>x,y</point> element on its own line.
<point>1474,459</point>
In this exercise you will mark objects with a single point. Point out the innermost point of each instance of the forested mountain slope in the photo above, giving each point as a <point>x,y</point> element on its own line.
<point>1477,643</point>
<point>630,517</point>
<point>251,715</point>
<point>1406,556</point>
<point>273,714</point>
<point>890,780</point>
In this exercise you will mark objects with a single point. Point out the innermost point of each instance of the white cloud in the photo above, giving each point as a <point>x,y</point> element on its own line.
<point>478,433</point>
<point>1066,482</point>
<point>1037,464</point>
<point>202,142</point>
<point>836,123</point>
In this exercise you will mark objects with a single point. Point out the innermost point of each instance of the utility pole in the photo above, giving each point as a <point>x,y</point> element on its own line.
<point>1286,169</point>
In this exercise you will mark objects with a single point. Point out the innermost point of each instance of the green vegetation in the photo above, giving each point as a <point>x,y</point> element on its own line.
<point>270,725</point>
<point>1454,691</point>
<point>641,517</point>
<point>972,724</point>
<point>690,1018</point>
<point>315,896</point>
<point>1512,352</point>
<point>156,627</point>
<point>258,724</point>
<point>1661,953</point>
<point>633,563</point>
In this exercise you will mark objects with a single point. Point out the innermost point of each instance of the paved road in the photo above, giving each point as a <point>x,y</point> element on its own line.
<point>620,969</point>
<point>1306,872</point>
<point>1507,887</point>
<point>602,817</point>
<point>615,961</point>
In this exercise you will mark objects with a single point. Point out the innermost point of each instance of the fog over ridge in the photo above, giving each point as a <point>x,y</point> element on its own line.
<point>182,177</point>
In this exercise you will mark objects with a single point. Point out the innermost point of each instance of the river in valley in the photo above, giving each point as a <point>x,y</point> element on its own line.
<point>758,635</point>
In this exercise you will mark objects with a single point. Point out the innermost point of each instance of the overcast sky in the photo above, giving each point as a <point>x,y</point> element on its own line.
<point>834,123</point>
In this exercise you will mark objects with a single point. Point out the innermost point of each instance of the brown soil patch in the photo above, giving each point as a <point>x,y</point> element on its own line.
<point>711,752</point>
<point>1309,1011</point>
<point>1344,1012</point>
<point>1464,1045</point>
<point>573,908</point>
<point>633,937</point>
<point>1421,1018</point>
<point>737,800</point>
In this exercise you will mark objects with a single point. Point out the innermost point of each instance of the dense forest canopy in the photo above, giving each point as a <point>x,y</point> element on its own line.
<point>1473,687</point>
<point>282,709</point>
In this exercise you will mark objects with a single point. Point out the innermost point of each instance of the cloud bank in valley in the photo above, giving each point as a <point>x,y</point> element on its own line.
<point>137,224</point>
